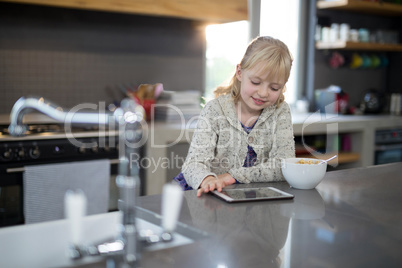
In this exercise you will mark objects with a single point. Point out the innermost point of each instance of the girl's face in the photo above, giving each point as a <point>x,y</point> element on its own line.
<point>256,90</point>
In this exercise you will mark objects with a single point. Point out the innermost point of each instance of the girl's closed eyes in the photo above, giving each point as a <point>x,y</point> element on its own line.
<point>273,86</point>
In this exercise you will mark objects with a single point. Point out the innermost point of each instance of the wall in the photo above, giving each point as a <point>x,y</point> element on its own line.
<point>75,56</point>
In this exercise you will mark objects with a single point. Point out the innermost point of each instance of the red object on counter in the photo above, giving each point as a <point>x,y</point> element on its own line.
<point>342,101</point>
<point>148,105</point>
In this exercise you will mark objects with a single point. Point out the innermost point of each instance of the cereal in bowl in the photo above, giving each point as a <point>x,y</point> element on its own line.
<point>308,162</point>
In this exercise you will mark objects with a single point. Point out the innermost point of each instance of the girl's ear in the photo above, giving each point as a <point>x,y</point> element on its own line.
<point>281,98</point>
<point>238,72</point>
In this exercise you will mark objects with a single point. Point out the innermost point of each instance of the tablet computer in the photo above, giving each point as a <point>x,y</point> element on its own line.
<point>251,194</point>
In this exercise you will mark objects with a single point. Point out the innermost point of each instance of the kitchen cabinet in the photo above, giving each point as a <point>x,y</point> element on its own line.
<point>342,157</point>
<point>322,72</point>
<point>347,45</point>
<point>376,8</point>
<point>366,7</point>
<point>321,138</point>
<point>205,10</point>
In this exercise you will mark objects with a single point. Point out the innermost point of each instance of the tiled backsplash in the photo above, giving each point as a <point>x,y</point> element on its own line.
<point>58,63</point>
<point>69,78</point>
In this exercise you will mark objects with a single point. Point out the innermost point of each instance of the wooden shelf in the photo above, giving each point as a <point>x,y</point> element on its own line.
<point>377,8</point>
<point>342,158</point>
<point>203,10</point>
<point>346,45</point>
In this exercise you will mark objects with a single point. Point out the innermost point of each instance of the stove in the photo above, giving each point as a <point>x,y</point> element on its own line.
<point>36,129</point>
<point>35,143</point>
<point>50,143</point>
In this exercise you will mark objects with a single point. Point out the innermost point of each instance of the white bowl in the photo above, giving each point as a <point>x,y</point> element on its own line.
<point>303,176</point>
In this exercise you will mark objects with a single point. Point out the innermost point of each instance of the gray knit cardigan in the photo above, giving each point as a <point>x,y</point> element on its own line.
<point>219,144</point>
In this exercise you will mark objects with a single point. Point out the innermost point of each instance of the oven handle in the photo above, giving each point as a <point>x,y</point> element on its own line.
<point>388,147</point>
<point>22,169</point>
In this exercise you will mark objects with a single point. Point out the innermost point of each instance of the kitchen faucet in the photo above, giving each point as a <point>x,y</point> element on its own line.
<point>125,249</point>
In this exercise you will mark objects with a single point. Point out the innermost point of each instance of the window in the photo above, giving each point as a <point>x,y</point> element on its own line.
<point>279,19</point>
<point>226,43</point>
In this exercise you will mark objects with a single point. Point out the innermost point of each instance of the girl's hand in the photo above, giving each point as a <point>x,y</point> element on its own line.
<point>211,183</point>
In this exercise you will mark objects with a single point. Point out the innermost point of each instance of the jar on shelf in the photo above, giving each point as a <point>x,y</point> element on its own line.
<point>364,35</point>
<point>334,32</point>
<point>344,32</point>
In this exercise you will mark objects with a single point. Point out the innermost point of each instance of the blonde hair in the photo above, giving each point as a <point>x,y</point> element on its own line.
<point>276,60</point>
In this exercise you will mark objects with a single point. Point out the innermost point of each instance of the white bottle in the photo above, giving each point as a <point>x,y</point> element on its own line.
<point>344,32</point>
<point>334,32</point>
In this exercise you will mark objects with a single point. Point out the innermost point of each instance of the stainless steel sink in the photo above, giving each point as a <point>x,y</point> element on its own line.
<point>148,220</point>
<point>45,244</point>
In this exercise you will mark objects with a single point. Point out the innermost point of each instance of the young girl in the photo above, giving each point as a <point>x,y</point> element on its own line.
<point>243,133</point>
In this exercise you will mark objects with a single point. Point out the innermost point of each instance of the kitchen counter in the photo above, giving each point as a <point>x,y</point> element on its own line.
<point>352,219</point>
<point>298,120</point>
<point>160,134</point>
<point>41,119</point>
<point>312,123</point>
<point>309,123</point>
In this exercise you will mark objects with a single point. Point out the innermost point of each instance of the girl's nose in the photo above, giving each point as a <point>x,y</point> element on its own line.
<point>263,92</point>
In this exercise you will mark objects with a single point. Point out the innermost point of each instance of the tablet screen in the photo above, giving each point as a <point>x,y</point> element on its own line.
<point>252,194</point>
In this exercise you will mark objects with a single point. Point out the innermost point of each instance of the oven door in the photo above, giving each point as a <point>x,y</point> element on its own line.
<point>12,194</point>
<point>11,199</point>
<point>388,153</point>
